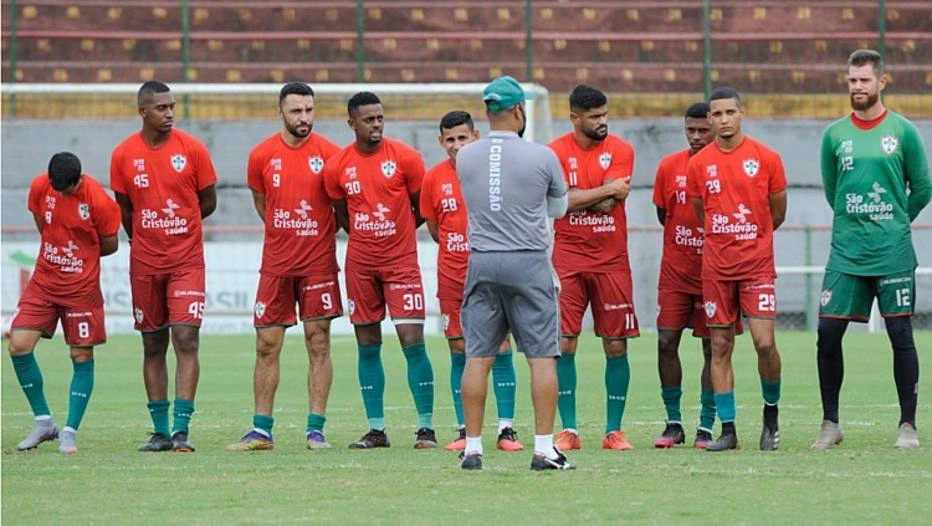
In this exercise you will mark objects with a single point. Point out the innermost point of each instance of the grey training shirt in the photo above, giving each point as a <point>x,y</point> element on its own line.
<point>506,181</point>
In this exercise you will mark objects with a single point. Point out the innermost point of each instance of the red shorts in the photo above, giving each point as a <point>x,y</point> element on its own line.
<point>678,310</point>
<point>369,290</point>
<point>609,293</point>
<point>317,297</point>
<point>161,300</point>
<point>724,301</point>
<point>450,315</point>
<point>83,327</point>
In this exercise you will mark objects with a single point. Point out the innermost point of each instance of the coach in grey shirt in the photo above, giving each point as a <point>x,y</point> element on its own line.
<point>511,188</point>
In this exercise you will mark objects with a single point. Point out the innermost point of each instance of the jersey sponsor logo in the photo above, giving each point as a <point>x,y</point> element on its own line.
<point>605,160</point>
<point>687,237</point>
<point>63,257</point>
<point>710,309</point>
<point>140,165</point>
<point>178,162</point>
<point>84,211</point>
<point>681,181</point>
<point>172,224</point>
<point>889,144</point>
<point>742,230</point>
<point>600,222</point>
<point>825,297</point>
<point>303,225</point>
<point>742,213</point>
<point>170,207</point>
<point>617,306</point>
<point>388,168</point>
<point>874,206</point>
<point>877,192</point>
<point>138,314</point>
<point>316,164</point>
<point>751,167</point>
<point>456,242</point>
<point>383,227</point>
<point>303,209</point>
<point>380,211</point>
<point>260,309</point>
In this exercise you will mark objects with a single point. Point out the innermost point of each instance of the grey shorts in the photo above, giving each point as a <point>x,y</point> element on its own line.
<point>516,291</point>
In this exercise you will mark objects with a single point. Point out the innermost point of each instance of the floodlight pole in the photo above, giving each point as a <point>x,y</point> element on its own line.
<point>528,43</point>
<point>707,49</point>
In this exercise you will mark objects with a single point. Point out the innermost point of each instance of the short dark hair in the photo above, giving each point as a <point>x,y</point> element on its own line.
<point>456,118</point>
<point>294,88</point>
<point>150,88</point>
<point>863,57</point>
<point>64,170</point>
<point>699,110</point>
<point>363,98</point>
<point>725,92</point>
<point>584,98</point>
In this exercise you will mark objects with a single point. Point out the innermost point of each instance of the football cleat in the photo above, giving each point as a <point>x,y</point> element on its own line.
<point>541,462</point>
<point>829,436</point>
<point>460,443</point>
<point>725,442</point>
<point>703,439</point>
<point>471,461</point>
<point>180,443</point>
<point>908,437</point>
<point>618,441</point>
<point>568,440</point>
<point>157,442</point>
<point>508,440</point>
<point>43,431</point>
<point>426,439</point>
<point>372,439</point>
<point>68,441</point>
<point>672,435</point>
<point>253,441</point>
<point>770,432</point>
<point>316,440</point>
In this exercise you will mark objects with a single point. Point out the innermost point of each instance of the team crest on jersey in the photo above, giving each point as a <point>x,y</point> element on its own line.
<point>137,313</point>
<point>388,168</point>
<point>605,160</point>
<point>751,166</point>
<point>316,164</point>
<point>178,162</point>
<point>84,211</point>
<point>447,188</point>
<point>889,144</point>
<point>260,309</point>
<point>710,309</point>
<point>825,297</point>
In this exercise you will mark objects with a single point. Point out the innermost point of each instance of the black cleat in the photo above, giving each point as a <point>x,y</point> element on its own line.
<point>703,439</point>
<point>725,441</point>
<point>770,434</point>
<point>672,435</point>
<point>373,439</point>
<point>157,442</point>
<point>426,439</point>
<point>180,443</point>
<point>471,461</point>
<point>541,462</point>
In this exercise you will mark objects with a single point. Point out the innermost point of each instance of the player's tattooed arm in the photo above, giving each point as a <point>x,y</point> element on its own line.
<point>778,208</point>
<point>126,212</point>
<point>432,228</point>
<point>258,200</point>
<point>341,211</point>
<point>416,208</point>
<point>662,215</point>
<point>697,206</point>
<point>207,198</point>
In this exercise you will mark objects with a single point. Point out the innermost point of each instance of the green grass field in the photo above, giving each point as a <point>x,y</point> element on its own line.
<point>864,481</point>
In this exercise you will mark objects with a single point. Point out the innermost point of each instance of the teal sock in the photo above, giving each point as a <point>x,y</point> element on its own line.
<point>82,385</point>
<point>566,378</point>
<point>671,401</point>
<point>725,405</point>
<point>263,422</point>
<point>30,379</point>
<point>457,364</point>
<point>504,384</point>
<point>771,391</point>
<point>158,411</point>
<point>617,378</point>
<point>315,422</point>
<point>707,413</point>
<point>372,384</point>
<point>421,383</point>
<point>183,411</point>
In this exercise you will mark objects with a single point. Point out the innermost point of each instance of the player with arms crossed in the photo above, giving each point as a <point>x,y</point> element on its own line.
<point>78,224</point>
<point>164,181</point>
<point>738,188</point>
<point>299,262</point>
<point>374,184</point>
<point>445,213</point>
<point>590,256</point>
<point>876,178</point>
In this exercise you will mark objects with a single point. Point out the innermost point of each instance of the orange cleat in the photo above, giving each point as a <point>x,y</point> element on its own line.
<point>616,440</point>
<point>568,440</point>
<point>460,443</point>
<point>508,440</point>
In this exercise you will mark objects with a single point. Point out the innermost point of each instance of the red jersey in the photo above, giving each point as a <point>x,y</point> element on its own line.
<point>300,227</point>
<point>442,202</point>
<point>68,267</point>
<point>735,188</point>
<point>587,240</point>
<point>681,264</point>
<point>376,187</point>
<point>162,184</point>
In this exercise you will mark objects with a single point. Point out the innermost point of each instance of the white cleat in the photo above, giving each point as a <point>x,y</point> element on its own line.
<point>909,438</point>
<point>830,436</point>
<point>68,441</point>
<point>43,431</point>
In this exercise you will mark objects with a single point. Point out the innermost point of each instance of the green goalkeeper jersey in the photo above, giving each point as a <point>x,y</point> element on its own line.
<point>877,181</point>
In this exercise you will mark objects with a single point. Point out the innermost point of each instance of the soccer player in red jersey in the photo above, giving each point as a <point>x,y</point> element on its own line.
<point>374,184</point>
<point>164,181</point>
<point>444,210</point>
<point>679,295</point>
<point>738,188</point>
<point>78,223</point>
<point>299,263</point>
<point>590,256</point>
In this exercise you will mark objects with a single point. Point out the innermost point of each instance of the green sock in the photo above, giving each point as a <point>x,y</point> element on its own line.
<point>183,411</point>
<point>315,422</point>
<point>263,422</point>
<point>566,378</point>
<point>725,405</point>
<point>158,411</point>
<point>82,385</point>
<point>30,379</point>
<point>617,378</point>
<point>421,383</point>
<point>771,391</point>
<point>504,384</point>
<point>457,364</point>
<point>707,413</point>
<point>372,384</point>
<point>671,401</point>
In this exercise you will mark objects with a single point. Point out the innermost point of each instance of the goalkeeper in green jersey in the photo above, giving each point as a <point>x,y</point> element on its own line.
<point>876,179</point>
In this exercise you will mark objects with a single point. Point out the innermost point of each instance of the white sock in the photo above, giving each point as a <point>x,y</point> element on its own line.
<point>571,430</point>
<point>262,432</point>
<point>502,424</point>
<point>473,445</point>
<point>70,429</point>
<point>543,444</point>
<point>44,418</point>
